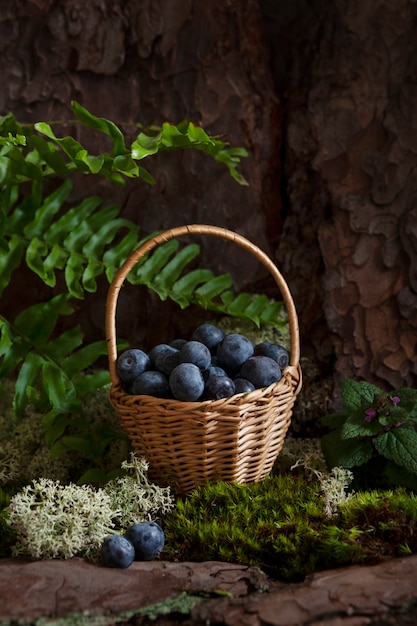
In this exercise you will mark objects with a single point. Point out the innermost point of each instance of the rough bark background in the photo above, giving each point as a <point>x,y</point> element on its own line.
<point>321,94</point>
<point>351,175</point>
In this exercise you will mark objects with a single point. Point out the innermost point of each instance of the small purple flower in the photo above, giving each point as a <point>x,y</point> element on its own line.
<point>370,414</point>
<point>395,400</point>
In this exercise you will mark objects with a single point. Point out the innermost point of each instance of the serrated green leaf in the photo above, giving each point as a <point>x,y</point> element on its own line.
<point>355,426</point>
<point>239,303</point>
<point>346,453</point>
<point>356,394</point>
<point>399,445</point>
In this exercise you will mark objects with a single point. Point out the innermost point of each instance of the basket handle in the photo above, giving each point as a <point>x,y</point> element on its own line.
<point>198,229</point>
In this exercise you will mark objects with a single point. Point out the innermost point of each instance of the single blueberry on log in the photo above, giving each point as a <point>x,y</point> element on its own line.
<point>148,540</point>
<point>117,551</point>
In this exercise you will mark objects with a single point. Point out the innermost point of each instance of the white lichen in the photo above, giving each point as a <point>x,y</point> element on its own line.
<point>334,488</point>
<point>307,455</point>
<point>135,497</point>
<point>60,521</point>
<point>56,520</point>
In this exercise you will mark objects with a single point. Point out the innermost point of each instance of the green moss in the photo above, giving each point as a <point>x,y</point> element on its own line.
<point>280,525</point>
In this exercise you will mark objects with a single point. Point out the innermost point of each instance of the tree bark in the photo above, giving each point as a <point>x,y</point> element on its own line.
<point>350,166</point>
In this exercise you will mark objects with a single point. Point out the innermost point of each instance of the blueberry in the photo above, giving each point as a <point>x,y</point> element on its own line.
<point>209,334</point>
<point>117,551</point>
<point>197,353</point>
<point>164,358</point>
<point>151,383</point>
<point>261,371</point>
<point>177,343</point>
<point>186,382</point>
<point>219,387</point>
<point>274,351</point>
<point>233,351</point>
<point>243,386</point>
<point>213,370</point>
<point>148,540</point>
<point>131,363</point>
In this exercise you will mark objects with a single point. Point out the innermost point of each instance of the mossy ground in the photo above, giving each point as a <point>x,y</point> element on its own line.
<point>280,525</point>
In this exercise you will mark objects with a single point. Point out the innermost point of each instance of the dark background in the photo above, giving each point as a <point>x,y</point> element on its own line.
<point>322,94</point>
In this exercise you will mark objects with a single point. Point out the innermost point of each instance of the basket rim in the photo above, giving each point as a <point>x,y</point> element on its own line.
<point>197,229</point>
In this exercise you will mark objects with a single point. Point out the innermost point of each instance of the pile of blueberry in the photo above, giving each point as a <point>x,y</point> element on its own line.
<point>210,366</point>
<point>143,541</point>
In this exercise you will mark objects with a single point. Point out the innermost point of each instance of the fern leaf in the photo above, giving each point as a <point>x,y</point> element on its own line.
<point>71,220</point>
<point>213,288</point>
<point>92,271</point>
<point>150,266</point>
<point>80,235</point>
<point>105,126</point>
<point>46,212</point>
<point>104,235</point>
<point>10,260</point>
<point>175,267</point>
<point>186,285</point>
<point>35,251</point>
<point>73,273</point>
<point>28,375</point>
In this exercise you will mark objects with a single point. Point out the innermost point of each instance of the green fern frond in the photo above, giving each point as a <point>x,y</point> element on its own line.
<point>55,365</point>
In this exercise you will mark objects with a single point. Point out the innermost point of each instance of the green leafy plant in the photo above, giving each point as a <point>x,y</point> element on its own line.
<point>70,247</point>
<point>375,435</point>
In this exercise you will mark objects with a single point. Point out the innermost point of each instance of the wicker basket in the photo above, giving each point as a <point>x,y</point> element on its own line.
<point>234,439</point>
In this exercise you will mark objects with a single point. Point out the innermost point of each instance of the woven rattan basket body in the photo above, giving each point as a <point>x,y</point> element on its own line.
<point>234,439</point>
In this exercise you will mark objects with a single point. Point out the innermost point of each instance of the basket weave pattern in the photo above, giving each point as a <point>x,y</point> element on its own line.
<point>234,439</point>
